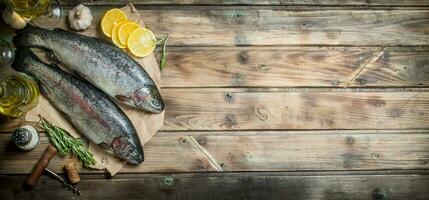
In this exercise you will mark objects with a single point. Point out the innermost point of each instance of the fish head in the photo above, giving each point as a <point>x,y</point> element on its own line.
<point>124,147</point>
<point>148,98</point>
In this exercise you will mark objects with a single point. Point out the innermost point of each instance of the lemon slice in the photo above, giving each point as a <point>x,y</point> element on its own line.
<point>110,19</point>
<point>141,42</point>
<point>115,38</point>
<point>125,30</point>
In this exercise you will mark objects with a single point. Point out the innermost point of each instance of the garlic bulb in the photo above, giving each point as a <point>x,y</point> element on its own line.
<point>80,17</point>
<point>13,19</point>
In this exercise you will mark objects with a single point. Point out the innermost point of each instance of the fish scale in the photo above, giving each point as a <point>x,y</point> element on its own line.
<point>86,107</point>
<point>102,64</point>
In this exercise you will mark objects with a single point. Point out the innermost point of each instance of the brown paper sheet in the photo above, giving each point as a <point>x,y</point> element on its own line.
<point>146,124</point>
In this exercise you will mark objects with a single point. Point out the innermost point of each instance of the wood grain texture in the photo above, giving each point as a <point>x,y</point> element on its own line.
<point>206,109</point>
<point>254,2</point>
<point>273,127</point>
<point>232,27</point>
<point>257,151</point>
<point>229,186</point>
<point>296,67</point>
<point>394,67</point>
<point>276,27</point>
<point>303,109</point>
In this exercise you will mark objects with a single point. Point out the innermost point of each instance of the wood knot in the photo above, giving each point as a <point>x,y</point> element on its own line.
<point>350,140</point>
<point>237,79</point>
<point>243,57</point>
<point>241,40</point>
<point>248,155</point>
<point>228,96</point>
<point>377,102</point>
<point>230,120</point>
<point>379,194</point>
<point>360,81</point>
<point>262,67</point>
<point>375,155</point>
<point>168,181</point>
<point>396,113</point>
<point>201,140</point>
<point>335,82</point>
<point>262,112</point>
<point>347,164</point>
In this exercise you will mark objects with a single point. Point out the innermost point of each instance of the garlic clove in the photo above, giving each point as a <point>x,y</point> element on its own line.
<point>13,19</point>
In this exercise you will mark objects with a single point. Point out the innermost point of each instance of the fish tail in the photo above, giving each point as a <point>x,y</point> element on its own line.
<point>22,56</point>
<point>19,60</point>
<point>24,36</point>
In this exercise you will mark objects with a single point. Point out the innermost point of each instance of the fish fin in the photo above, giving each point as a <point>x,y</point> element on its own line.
<point>122,98</point>
<point>18,61</point>
<point>80,75</point>
<point>105,147</point>
<point>43,90</point>
<point>21,54</point>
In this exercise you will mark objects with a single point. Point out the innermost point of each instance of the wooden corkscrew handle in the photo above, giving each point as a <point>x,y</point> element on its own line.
<point>38,169</point>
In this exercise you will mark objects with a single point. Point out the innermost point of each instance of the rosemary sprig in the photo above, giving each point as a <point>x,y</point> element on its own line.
<point>163,42</point>
<point>65,144</point>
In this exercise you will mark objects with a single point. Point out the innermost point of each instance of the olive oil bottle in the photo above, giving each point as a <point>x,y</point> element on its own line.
<point>18,94</point>
<point>29,8</point>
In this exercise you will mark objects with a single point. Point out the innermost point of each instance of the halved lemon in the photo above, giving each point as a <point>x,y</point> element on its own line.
<point>115,38</point>
<point>110,19</point>
<point>125,31</point>
<point>141,42</point>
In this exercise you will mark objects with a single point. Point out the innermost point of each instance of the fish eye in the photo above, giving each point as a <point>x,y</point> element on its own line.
<point>155,103</point>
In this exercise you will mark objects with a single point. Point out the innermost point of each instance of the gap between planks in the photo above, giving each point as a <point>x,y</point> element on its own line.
<point>254,7</point>
<point>315,173</point>
<point>293,89</point>
<point>363,3</point>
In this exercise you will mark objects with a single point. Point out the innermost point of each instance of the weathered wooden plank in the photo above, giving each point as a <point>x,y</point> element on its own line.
<point>244,109</point>
<point>258,151</point>
<point>205,109</point>
<point>276,27</point>
<point>230,27</point>
<point>296,67</point>
<point>255,2</point>
<point>228,186</point>
<point>289,152</point>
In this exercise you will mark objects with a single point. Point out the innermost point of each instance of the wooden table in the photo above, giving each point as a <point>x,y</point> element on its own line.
<point>313,99</point>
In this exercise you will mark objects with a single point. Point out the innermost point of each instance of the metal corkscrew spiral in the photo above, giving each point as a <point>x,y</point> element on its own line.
<point>66,184</point>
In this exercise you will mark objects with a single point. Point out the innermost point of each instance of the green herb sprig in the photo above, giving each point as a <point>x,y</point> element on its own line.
<point>66,144</point>
<point>162,42</point>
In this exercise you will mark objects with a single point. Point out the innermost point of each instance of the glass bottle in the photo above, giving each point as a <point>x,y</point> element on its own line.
<point>44,13</point>
<point>18,94</point>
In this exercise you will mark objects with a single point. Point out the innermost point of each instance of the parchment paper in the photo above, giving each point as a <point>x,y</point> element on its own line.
<point>146,124</point>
